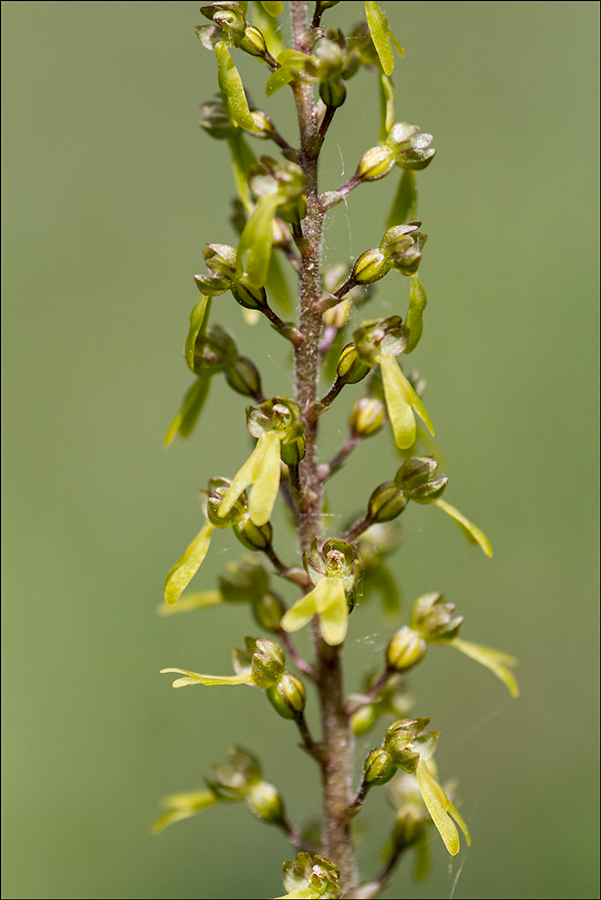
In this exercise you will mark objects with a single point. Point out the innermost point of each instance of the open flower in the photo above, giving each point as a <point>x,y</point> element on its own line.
<point>379,342</point>
<point>408,747</point>
<point>307,877</point>
<point>274,422</point>
<point>180,575</point>
<point>334,572</point>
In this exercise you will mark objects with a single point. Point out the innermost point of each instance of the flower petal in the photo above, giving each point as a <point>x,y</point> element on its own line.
<point>195,678</point>
<point>441,809</point>
<point>471,531</point>
<point>415,402</point>
<point>183,806</point>
<point>334,611</point>
<point>301,613</point>
<point>180,575</point>
<point>267,480</point>
<point>494,660</point>
<point>400,413</point>
<point>197,600</point>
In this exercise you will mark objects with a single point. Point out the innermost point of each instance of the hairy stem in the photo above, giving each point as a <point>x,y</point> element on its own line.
<point>337,736</point>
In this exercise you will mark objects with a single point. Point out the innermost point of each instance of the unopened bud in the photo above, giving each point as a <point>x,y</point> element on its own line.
<point>251,536</point>
<point>379,767</point>
<point>370,267</point>
<point>433,618</point>
<point>375,163</point>
<point>386,503</point>
<point>287,696</point>
<point>266,803</point>
<point>333,93</point>
<point>214,351</point>
<point>243,376</point>
<point>244,580</point>
<point>405,650</point>
<point>268,663</point>
<point>417,478</point>
<point>248,296</point>
<point>363,719</point>
<point>367,416</point>
<point>268,611</point>
<point>351,368</point>
<point>253,42</point>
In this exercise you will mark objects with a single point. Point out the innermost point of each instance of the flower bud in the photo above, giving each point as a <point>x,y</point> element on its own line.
<point>264,127</point>
<point>293,451</point>
<point>386,503</point>
<point>333,93</point>
<point>409,148</point>
<point>268,611</point>
<point>433,618</point>
<point>351,368</point>
<point>220,260</point>
<point>400,739</point>
<point>375,163</point>
<point>405,649</point>
<point>266,803</point>
<point>367,417</point>
<point>379,767</point>
<point>268,663</point>
<point>248,296</point>
<point>253,537</point>
<point>417,478</point>
<point>287,696</point>
<point>253,42</point>
<point>363,719</point>
<point>214,351</point>
<point>370,267</point>
<point>243,376</point>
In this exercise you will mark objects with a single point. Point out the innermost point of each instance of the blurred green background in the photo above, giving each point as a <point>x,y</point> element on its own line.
<point>110,193</point>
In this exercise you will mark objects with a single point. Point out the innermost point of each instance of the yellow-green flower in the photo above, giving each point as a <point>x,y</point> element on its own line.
<point>401,403</point>
<point>441,809</point>
<point>328,601</point>
<point>182,806</point>
<point>274,422</point>
<point>334,571</point>
<point>261,471</point>
<point>185,568</point>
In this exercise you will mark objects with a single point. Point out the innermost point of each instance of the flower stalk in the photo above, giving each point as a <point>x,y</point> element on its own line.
<point>279,208</point>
